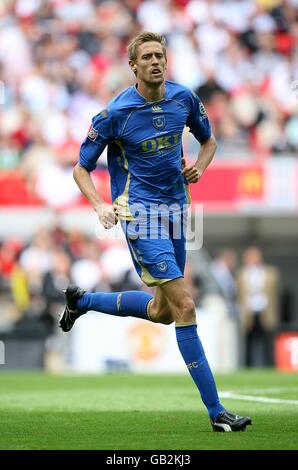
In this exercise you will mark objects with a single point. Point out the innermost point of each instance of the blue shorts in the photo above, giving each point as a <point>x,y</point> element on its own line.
<point>157,248</point>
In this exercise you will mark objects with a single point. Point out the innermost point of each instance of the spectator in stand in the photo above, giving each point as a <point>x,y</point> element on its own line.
<point>258,294</point>
<point>54,281</point>
<point>223,269</point>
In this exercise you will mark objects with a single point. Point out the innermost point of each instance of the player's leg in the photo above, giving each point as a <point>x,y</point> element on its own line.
<point>129,303</point>
<point>137,304</point>
<point>183,311</point>
<point>155,260</point>
<point>78,302</point>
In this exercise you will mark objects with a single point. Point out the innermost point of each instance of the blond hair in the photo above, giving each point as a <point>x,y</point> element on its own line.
<point>140,39</point>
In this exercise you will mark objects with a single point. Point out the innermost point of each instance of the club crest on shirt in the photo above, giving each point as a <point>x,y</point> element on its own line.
<point>159,122</point>
<point>92,133</point>
<point>162,267</point>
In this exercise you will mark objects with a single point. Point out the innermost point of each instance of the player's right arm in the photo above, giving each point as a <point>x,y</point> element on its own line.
<point>99,135</point>
<point>106,213</point>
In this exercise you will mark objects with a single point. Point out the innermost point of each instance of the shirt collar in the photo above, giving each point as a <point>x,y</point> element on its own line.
<point>144,101</point>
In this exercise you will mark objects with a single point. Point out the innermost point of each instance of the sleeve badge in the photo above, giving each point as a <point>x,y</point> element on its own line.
<point>203,111</point>
<point>92,133</point>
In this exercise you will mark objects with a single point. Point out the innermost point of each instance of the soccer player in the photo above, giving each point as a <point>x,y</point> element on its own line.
<point>142,128</point>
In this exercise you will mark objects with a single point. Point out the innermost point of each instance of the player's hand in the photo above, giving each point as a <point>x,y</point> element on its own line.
<point>107,214</point>
<point>191,173</point>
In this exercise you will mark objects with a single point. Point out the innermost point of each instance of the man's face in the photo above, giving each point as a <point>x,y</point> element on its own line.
<point>150,64</point>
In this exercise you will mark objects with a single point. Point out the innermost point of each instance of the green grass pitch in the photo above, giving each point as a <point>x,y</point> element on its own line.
<point>160,412</point>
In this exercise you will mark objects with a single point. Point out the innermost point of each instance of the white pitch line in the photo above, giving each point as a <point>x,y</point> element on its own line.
<point>277,401</point>
<point>267,390</point>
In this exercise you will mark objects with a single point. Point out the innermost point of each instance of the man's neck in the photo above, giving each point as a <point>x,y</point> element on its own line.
<point>156,93</point>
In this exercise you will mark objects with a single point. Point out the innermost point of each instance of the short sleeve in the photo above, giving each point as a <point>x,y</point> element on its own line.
<point>197,120</point>
<point>99,135</point>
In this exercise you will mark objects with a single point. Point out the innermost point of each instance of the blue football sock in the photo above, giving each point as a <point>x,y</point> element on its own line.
<point>122,304</point>
<point>193,354</point>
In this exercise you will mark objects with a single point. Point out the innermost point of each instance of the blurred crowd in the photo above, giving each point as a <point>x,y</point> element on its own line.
<point>61,61</point>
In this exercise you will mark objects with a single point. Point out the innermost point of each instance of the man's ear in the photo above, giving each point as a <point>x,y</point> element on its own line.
<point>132,66</point>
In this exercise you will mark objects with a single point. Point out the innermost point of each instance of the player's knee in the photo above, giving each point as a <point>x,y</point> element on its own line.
<point>185,304</point>
<point>185,310</point>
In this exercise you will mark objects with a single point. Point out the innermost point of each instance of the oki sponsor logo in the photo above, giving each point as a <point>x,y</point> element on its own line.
<point>160,143</point>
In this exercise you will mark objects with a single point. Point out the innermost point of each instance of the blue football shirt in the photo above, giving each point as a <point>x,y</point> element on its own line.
<point>144,142</point>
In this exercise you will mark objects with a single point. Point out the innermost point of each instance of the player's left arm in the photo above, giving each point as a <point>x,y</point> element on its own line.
<point>207,151</point>
<point>200,127</point>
